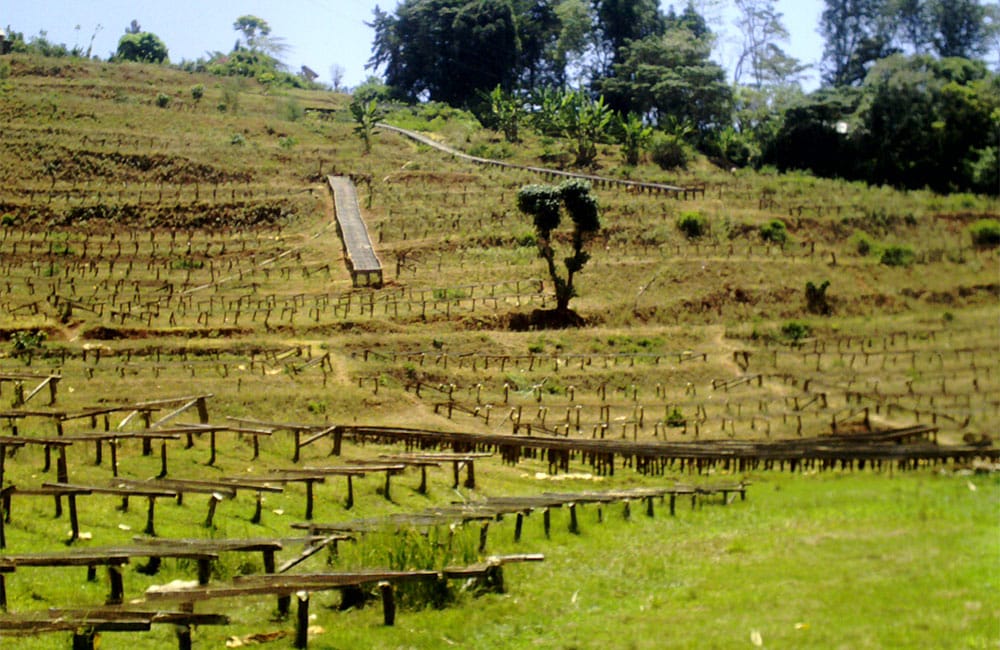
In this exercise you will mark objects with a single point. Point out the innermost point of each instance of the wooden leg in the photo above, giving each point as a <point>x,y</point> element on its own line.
<point>350,493</point>
<point>117,594</point>
<point>309,500</point>
<point>150,515</point>
<point>388,603</point>
<point>257,511</point>
<point>302,621</point>
<point>163,460</point>
<point>74,523</point>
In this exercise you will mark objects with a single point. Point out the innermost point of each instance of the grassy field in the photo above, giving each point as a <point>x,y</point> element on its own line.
<point>156,249</point>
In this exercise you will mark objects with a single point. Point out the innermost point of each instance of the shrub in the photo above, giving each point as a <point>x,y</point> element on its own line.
<point>292,110</point>
<point>197,92</point>
<point>985,233</point>
<point>897,256</point>
<point>668,151</point>
<point>774,231</point>
<point>675,418</point>
<point>237,140</point>
<point>862,243</point>
<point>163,100</point>
<point>794,331</point>
<point>816,301</point>
<point>692,224</point>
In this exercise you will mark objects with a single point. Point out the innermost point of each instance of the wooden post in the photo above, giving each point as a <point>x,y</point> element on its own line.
<point>302,620</point>
<point>388,602</point>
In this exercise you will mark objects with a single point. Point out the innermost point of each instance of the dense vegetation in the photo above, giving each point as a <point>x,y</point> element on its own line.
<point>906,101</point>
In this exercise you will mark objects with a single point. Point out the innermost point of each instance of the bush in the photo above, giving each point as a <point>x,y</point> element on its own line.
<point>197,92</point>
<point>862,243</point>
<point>816,301</point>
<point>774,231</point>
<point>794,331</point>
<point>668,151</point>
<point>897,256</point>
<point>675,418</point>
<point>692,224</point>
<point>163,100</point>
<point>985,233</point>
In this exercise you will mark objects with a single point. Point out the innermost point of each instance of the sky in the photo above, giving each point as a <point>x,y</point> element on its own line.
<point>319,33</point>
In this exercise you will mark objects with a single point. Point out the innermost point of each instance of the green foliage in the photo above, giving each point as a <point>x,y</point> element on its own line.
<point>816,300</point>
<point>985,233</point>
<point>24,344</point>
<point>291,110</point>
<point>692,224</point>
<point>230,98</point>
<point>669,151</point>
<point>544,203</point>
<point>583,121</point>
<point>237,140</point>
<point>197,92</point>
<point>633,135</point>
<point>675,418</point>
<point>863,244</point>
<point>774,231</point>
<point>896,255</point>
<point>915,122</point>
<point>795,331</point>
<point>506,112</point>
<point>366,115</point>
<point>143,47</point>
<point>163,100</point>
<point>670,75</point>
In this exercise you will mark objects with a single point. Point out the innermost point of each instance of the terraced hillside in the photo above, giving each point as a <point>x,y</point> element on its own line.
<point>155,246</point>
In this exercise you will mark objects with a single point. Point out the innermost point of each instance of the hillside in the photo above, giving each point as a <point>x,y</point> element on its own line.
<point>159,242</point>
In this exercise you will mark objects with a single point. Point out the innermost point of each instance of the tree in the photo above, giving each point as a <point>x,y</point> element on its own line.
<point>761,57</point>
<point>366,117</point>
<point>620,22</point>
<point>545,203</point>
<point>584,121</point>
<point>257,36</point>
<point>671,77</point>
<point>506,113</point>
<point>144,47</point>
<point>454,51</point>
<point>857,33</point>
<point>633,135</point>
<point>959,28</point>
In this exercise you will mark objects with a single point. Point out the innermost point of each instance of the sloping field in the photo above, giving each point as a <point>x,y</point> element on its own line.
<point>172,272</point>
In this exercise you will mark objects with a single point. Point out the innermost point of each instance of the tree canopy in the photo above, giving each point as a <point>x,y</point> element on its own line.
<point>144,47</point>
<point>545,204</point>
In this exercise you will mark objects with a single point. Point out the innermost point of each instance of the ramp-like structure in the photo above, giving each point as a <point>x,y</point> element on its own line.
<point>364,265</point>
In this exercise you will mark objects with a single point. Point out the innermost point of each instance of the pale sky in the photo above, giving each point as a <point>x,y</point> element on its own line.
<point>319,33</point>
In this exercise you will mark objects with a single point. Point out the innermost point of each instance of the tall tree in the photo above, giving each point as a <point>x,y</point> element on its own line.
<point>620,22</point>
<point>671,79</point>
<point>447,50</point>
<point>857,33</point>
<point>959,28</point>
<point>762,60</point>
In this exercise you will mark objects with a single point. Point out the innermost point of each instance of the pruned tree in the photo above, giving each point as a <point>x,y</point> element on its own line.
<point>545,204</point>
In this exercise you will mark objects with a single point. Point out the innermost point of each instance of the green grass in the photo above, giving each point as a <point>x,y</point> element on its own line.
<point>811,561</point>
